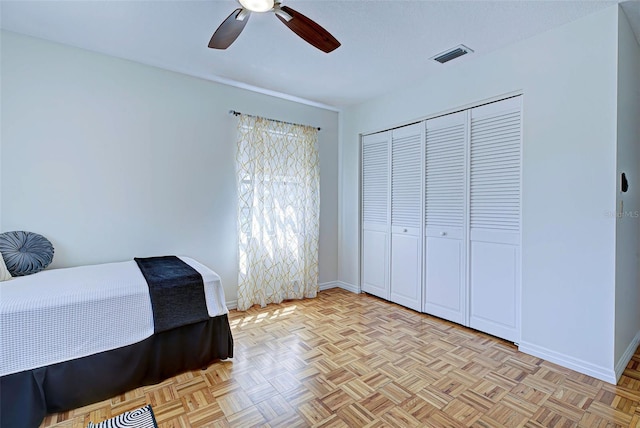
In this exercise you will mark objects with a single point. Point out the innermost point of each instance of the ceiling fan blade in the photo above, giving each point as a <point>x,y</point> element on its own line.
<point>228,31</point>
<point>311,32</point>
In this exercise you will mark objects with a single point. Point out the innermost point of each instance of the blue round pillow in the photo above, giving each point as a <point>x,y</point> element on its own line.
<point>25,253</point>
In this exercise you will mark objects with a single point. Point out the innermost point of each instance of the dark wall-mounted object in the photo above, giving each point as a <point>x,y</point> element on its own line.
<point>624,184</point>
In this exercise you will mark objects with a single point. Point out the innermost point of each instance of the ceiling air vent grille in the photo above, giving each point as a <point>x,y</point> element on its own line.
<point>450,54</point>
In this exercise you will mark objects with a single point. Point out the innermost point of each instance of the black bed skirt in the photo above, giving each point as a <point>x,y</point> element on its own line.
<point>27,397</point>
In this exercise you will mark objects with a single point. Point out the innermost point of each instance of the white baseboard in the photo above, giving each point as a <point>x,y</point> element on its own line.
<point>626,357</point>
<point>328,285</point>
<point>349,287</point>
<point>233,304</point>
<point>602,373</point>
<point>339,284</point>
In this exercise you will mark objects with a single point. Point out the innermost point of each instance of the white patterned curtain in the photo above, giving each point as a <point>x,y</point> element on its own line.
<point>278,185</point>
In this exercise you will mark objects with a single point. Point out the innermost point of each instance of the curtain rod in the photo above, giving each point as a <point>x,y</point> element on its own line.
<point>237,113</point>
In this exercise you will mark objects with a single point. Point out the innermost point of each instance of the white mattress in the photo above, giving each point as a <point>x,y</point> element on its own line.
<point>62,314</point>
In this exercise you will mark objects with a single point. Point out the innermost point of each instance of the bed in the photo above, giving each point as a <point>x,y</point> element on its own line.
<point>73,336</point>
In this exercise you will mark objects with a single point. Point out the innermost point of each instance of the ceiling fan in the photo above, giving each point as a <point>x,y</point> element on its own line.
<point>304,27</point>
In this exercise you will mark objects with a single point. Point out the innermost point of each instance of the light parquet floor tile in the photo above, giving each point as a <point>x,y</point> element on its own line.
<point>348,360</point>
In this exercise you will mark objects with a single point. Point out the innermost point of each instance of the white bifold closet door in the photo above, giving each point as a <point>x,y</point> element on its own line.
<point>445,217</point>
<point>406,215</point>
<point>494,218</point>
<point>376,215</point>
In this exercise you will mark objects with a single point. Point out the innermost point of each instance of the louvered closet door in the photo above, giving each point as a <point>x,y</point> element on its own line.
<point>376,221</point>
<point>406,215</point>
<point>445,195</point>
<point>495,170</point>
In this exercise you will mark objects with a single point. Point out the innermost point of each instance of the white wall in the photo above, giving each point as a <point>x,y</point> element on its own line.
<point>568,78</point>
<point>111,159</point>
<point>627,320</point>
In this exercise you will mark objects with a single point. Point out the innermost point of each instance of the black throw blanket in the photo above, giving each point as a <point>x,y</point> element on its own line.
<point>176,290</point>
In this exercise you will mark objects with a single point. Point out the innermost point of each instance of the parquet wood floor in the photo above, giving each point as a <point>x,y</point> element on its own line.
<point>347,360</point>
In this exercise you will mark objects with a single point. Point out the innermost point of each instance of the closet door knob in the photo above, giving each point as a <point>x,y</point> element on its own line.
<point>405,230</point>
<point>443,233</point>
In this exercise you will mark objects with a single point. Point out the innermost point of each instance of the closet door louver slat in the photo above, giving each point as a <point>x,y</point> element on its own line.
<point>406,173</point>
<point>444,177</point>
<point>495,173</point>
<point>375,175</point>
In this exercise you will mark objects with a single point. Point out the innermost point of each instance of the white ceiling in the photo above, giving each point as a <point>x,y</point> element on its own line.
<point>385,44</point>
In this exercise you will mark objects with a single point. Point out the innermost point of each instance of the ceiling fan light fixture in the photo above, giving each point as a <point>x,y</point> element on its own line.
<point>257,5</point>
<point>305,28</point>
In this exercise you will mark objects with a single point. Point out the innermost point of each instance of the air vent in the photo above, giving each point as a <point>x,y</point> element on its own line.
<point>452,53</point>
